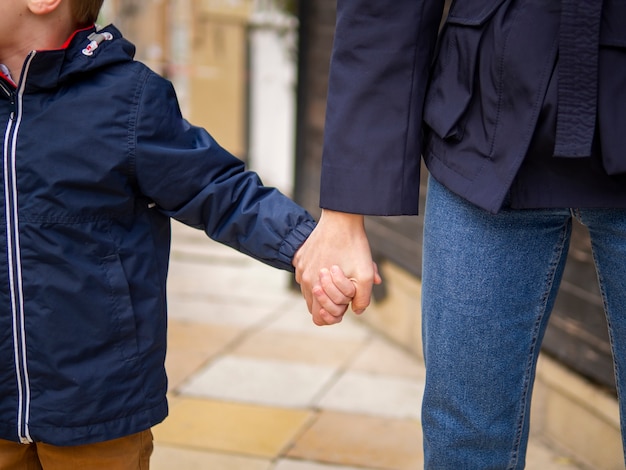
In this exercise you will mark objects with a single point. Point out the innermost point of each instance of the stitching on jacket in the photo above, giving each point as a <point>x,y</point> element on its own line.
<point>133,119</point>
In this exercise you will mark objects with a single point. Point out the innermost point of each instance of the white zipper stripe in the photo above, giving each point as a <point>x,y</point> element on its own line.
<point>18,247</point>
<point>15,279</point>
<point>10,251</point>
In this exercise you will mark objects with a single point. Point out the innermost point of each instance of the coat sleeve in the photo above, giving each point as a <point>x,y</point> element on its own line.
<point>191,178</point>
<point>379,69</point>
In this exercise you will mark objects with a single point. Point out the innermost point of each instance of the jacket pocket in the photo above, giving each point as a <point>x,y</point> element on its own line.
<point>454,71</point>
<point>122,314</point>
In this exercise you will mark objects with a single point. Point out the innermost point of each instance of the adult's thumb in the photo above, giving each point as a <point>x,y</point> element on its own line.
<point>362,298</point>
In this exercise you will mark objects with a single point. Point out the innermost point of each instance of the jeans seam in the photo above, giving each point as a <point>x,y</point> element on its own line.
<point>531,365</point>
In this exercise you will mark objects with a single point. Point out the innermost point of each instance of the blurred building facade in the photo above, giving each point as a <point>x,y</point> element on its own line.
<point>200,46</point>
<point>233,67</point>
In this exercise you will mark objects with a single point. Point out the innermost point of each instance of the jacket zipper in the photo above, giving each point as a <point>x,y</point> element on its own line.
<point>14,258</point>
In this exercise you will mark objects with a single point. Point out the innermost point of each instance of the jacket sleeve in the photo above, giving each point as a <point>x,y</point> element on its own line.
<point>191,178</point>
<point>379,69</point>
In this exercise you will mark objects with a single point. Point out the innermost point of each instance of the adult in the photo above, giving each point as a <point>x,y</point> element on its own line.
<point>519,109</point>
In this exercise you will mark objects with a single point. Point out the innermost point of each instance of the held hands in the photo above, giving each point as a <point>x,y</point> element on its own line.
<point>334,268</point>
<point>334,294</point>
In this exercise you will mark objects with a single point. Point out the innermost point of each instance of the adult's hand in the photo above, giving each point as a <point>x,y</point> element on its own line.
<point>334,266</point>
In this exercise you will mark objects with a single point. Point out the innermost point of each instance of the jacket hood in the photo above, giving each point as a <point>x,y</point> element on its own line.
<point>86,51</point>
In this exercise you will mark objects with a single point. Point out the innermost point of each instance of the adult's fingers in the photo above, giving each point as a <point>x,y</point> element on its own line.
<point>363,295</point>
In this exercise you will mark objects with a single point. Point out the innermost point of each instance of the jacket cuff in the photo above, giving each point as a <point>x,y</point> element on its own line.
<point>293,241</point>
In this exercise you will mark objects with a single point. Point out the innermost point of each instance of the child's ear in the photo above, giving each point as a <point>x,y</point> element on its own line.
<point>43,7</point>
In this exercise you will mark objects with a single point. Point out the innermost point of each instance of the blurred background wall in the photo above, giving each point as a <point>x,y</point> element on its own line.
<point>233,64</point>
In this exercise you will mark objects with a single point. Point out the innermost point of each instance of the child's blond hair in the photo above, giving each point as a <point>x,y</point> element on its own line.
<point>85,12</point>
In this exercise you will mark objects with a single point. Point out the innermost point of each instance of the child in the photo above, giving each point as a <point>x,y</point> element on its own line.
<point>96,160</point>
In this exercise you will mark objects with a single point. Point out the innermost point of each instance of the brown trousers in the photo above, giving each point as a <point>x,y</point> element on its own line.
<point>126,453</point>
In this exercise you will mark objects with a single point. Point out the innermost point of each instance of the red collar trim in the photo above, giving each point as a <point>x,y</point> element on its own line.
<point>69,40</point>
<point>8,79</point>
<point>6,74</point>
<point>66,44</point>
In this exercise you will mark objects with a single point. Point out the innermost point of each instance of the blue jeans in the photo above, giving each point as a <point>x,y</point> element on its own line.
<point>489,285</point>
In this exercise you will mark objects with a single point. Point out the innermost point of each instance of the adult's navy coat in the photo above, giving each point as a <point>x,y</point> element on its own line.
<point>96,160</point>
<point>473,100</point>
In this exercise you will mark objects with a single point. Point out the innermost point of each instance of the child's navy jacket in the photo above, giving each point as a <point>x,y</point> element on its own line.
<point>519,102</point>
<point>96,160</point>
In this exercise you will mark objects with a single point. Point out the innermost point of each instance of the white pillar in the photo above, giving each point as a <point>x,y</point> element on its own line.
<point>273,75</point>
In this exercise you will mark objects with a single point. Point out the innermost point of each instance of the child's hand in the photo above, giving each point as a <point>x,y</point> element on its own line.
<point>336,291</point>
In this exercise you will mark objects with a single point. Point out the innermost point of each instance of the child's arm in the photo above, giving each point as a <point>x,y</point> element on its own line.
<point>186,175</point>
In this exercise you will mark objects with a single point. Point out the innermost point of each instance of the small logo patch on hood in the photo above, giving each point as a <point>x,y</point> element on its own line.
<point>95,40</point>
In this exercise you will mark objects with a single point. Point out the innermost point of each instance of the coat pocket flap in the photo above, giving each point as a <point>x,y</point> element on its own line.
<point>472,12</point>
